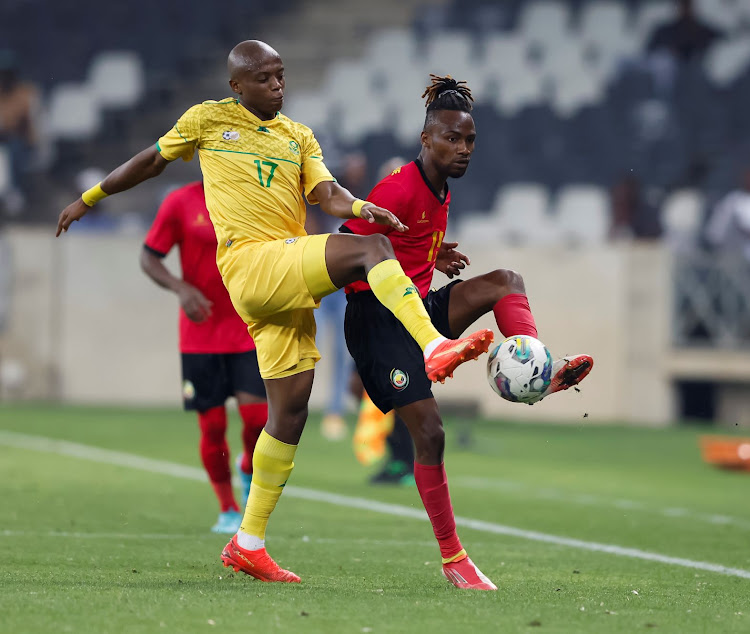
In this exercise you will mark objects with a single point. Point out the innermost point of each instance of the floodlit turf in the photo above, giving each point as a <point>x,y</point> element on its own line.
<point>92,547</point>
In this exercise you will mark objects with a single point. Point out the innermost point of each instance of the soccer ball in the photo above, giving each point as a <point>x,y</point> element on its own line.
<point>520,369</point>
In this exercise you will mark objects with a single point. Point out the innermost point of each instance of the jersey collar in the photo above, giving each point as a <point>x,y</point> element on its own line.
<point>440,199</point>
<point>255,119</point>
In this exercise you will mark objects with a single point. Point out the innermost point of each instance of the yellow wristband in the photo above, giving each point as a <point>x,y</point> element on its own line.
<point>94,195</point>
<point>357,207</point>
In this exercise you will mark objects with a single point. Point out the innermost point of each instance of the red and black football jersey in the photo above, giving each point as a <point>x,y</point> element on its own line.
<point>408,194</point>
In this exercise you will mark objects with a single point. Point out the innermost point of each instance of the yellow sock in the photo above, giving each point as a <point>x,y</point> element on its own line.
<point>398,294</point>
<point>272,464</point>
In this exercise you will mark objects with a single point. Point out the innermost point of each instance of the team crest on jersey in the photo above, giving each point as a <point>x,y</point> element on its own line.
<point>290,240</point>
<point>230,135</point>
<point>399,379</point>
<point>188,390</point>
<point>294,147</point>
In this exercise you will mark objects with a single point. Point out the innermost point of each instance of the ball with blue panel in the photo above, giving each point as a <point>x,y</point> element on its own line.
<point>519,369</point>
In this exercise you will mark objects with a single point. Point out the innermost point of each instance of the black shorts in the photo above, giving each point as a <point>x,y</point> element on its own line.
<point>388,359</point>
<point>208,380</point>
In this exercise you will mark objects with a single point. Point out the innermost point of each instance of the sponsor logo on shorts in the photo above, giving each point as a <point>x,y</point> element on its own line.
<point>399,379</point>
<point>290,240</point>
<point>188,390</point>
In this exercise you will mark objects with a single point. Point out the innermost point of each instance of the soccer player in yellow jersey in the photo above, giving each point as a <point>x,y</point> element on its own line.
<point>258,166</point>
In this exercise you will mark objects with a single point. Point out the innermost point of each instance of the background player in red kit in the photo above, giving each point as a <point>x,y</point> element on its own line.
<point>388,361</point>
<point>218,354</point>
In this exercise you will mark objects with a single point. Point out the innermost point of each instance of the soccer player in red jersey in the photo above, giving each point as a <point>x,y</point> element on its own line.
<point>387,360</point>
<point>218,354</point>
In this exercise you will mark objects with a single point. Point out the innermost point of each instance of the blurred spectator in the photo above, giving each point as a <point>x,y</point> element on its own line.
<point>19,102</point>
<point>684,38</point>
<point>352,174</point>
<point>677,42</point>
<point>632,216</point>
<point>728,226</point>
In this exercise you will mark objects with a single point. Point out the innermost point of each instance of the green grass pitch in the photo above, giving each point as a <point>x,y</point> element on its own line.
<point>95,547</point>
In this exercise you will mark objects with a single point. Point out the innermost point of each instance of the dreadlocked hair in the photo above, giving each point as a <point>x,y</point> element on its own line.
<point>445,93</point>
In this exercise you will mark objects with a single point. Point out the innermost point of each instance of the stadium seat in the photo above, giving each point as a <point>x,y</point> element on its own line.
<point>505,55</point>
<point>572,86</point>
<point>727,60</point>
<point>478,229</point>
<point>345,78</point>
<point>544,21</point>
<point>388,49</point>
<point>606,37</point>
<point>404,87</point>
<point>515,93</point>
<point>443,48</point>
<point>453,53</point>
<point>311,108</point>
<point>582,214</point>
<point>604,19</point>
<point>115,79</point>
<point>360,119</point>
<point>721,14</point>
<point>73,112</point>
<point>409,116</point>
<point>650,15</point>
<point>682,218</point>
<point>520,212</point>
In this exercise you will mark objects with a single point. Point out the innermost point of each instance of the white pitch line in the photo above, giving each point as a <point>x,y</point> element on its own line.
<point>132,461</point>
<point>558,495</point>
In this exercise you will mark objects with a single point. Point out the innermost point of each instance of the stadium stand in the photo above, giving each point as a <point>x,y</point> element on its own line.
<point>566,96</point>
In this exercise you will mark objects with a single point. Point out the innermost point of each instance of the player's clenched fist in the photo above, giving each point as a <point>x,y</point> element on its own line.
<point>373,213</point>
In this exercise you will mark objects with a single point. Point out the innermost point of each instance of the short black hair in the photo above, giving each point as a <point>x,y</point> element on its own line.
<point>445,93</point>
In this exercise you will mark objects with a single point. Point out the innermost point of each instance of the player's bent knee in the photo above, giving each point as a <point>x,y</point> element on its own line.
<point>379,246</point>
<point>507,281</point>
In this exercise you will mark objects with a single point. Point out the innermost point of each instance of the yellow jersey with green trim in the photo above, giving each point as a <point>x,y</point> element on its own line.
<point>255,172</point>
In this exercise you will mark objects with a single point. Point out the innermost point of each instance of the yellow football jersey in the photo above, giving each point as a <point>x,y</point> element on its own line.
<point>255,172</point>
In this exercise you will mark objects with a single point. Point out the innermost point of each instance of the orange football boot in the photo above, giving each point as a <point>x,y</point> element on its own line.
<point>256,563</point>
<point>567,372</point>
<point>464,574</point>
<point>453,352</point>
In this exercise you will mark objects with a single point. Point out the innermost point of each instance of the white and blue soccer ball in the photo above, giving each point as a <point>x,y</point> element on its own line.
<point>520,369</point>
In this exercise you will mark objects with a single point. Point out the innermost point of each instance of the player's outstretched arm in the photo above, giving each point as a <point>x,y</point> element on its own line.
<point>141,167</point>
<point>339,202</point>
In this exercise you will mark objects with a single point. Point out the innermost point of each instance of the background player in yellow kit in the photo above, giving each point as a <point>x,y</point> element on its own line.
<point>257,166</point>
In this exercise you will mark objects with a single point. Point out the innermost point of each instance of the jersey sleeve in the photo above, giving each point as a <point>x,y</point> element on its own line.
<point>314,170</point>
<point>166,230</point>
<point>183,138</point>
<point>388,195</point>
